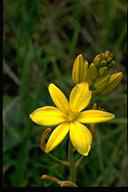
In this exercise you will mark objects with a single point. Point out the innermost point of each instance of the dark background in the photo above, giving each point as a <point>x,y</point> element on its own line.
<point>41,40</point>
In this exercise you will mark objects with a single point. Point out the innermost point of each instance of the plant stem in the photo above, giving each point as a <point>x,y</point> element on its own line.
<point>72,167</point>
<point>66,163</point>
<point>79,161</point>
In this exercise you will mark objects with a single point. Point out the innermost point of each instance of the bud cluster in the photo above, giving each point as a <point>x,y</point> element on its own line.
<point>104,59</point>
<point>97,73</point>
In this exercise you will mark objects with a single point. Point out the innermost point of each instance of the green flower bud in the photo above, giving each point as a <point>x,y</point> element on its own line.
<point>106,53</point>
<point>109,59</point>
<point>112,64</point>
<point>101,83</point>
<point>103,71</point>
<point>97,61</point>
<point>112,83</point>
<point>103,59</point>
<point>92,72</point>
<point>103,62</point>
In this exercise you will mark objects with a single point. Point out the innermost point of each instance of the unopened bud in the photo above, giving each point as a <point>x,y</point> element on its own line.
<point>92,72</point>
<point>103,59</point>
<point>43,138</point>
<point>97,61</point>
<point>103,71</point>
<point>112,64</point>
<point>78,71</point>
<point>101,83</point>
<point>94,106</point>
<point>103,62</point>
<point>86,71</point>
<point>106,53</point>
<point>109,59</point>
<point>112,83</point>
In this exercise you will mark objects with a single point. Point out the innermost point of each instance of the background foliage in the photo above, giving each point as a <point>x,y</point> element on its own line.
<point>41,41</point>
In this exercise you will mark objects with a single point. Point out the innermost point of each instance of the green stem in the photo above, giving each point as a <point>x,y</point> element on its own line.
<point>79,161</point>
<point>72,167</point>
<point>66,163</point>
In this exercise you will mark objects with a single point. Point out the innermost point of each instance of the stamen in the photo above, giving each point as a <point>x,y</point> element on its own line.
<point>72,115</point>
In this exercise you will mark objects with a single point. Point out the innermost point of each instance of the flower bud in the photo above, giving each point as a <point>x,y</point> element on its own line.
<point>43,138</point>
<point>86,71</point>
<point>92,72</point>
<point>104,59</point>
<point>103,62</point>
<point>94,106</point>
<point>97,61</point>
<point>111,64</point>
<point>78,71</point>
<point>112,83</point>
<point>106,53</point>
<point>103,71</point>
<point>101,83</point>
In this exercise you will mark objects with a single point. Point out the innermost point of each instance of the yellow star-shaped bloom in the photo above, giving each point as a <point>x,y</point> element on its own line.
<point>69,116</point>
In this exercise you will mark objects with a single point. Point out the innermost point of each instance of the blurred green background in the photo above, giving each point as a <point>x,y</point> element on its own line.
<point>41,41</point>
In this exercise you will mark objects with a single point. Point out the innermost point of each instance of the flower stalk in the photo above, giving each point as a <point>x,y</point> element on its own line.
<point>65,163</point>
<point>72,166</point>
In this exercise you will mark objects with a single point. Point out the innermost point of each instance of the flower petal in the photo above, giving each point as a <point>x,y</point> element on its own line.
<point>58,98</point>
<point>57,136</point>
<point>94,116</point>
<point>80,97</point>
<point>47,116</point>
<point>81,137</point>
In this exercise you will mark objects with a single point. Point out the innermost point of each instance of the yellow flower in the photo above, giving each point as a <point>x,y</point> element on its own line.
<point>69,116</point>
